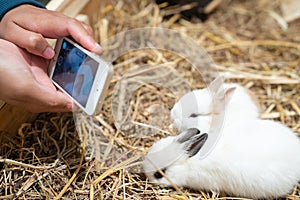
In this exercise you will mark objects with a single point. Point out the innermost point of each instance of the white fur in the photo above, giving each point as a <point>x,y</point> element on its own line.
<point>253,158</point>
<point>199,101</point>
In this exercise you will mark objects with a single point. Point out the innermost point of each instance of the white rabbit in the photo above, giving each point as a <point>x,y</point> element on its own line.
<point>241,104</point>
<point>253,158</point>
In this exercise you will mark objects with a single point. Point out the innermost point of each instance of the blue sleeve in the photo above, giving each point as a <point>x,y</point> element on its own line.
<point>7,5</point>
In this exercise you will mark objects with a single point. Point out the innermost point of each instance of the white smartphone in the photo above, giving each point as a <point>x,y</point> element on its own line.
<point>80,74</point>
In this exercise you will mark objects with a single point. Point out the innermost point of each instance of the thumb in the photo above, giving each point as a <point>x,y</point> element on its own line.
<point>45,99</point>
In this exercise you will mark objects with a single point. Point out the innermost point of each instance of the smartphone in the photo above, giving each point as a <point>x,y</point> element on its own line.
<point>80,74</point>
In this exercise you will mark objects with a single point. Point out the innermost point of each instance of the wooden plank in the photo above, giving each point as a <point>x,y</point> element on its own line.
<point>93,8</point>
<point>12,117</point>
<point>70,8</point>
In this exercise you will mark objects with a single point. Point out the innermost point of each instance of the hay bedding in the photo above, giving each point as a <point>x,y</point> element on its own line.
<point>47,158</point>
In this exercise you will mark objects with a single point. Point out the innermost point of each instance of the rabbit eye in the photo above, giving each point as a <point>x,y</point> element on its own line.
<point>194,115</point>
<point>158,175</point>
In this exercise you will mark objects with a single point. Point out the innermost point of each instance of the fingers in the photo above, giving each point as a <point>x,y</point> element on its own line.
<point>33,42</point>
<point>61,26</point>
<point>38,98</point>
<point>45,95</point>
<point>48,100</point>
<point>27,26</point>
<point>54,25</point>
<point>41,77</point>
<point>24,82</point>
<point>76,31</point>
<point>88,29</point>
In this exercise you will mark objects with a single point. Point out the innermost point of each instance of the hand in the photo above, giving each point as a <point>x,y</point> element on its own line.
<point>27,26</point>
<point>24,81</point>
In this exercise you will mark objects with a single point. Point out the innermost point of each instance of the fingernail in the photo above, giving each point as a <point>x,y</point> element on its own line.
<point>97,48</point>
<point>48,53</point>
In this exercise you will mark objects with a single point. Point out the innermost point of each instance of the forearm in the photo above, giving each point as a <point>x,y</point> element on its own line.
<point>7,5</point>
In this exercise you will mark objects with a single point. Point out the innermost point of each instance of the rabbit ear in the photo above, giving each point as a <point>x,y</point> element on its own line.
<point>215,85</point>
<point>229,92</point>
<point>225,95</point>
<point>186,135</point>
<point>195,143</point>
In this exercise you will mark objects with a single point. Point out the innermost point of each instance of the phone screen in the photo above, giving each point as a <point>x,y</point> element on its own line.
<point>75,72</point>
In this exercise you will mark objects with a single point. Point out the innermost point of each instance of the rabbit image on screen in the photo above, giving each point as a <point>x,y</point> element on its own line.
<point>241,104</point>
<point>253,158</point>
